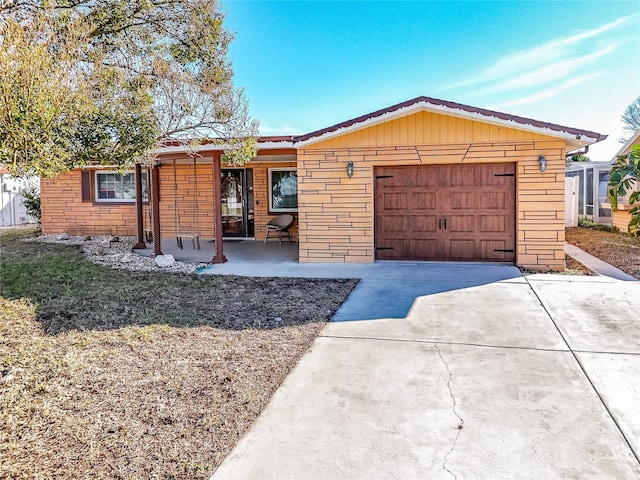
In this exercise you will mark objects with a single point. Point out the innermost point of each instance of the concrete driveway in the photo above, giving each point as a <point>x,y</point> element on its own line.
<point>480,373</point>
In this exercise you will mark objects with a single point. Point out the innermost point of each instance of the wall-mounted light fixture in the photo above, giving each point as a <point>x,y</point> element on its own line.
<point>350,169</point>
<point>542,163</point>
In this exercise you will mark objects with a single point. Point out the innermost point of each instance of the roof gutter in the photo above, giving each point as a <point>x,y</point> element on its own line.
<point>579,152</point>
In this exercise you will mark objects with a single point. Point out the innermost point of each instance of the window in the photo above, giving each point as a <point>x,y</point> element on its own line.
<point>119,187</point>
<point>283,190</point>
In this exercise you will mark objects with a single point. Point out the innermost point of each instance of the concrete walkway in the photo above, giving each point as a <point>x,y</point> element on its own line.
<point>596,265</point>
<point>481,373</point>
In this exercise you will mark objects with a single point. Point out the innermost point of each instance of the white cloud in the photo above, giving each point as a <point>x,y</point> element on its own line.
<point>551,92</point>
<point>529,60</point>
<point>546,73</point>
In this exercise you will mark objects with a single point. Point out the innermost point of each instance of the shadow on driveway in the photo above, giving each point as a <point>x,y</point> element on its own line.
<point>393,289</point>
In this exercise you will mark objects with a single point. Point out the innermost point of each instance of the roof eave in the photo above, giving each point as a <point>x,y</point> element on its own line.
<point>635,138</point>
<point>269,144</point>
<point>575,138</point>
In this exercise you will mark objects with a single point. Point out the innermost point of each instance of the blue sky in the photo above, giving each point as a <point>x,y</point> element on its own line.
<point>308,65</point>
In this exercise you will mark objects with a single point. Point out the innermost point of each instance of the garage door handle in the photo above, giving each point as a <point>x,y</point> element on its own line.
<point>445,223</point>
<point>439,224</point>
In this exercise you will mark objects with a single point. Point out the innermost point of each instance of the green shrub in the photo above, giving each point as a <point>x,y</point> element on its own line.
<point>31,201</point>
<point>587,223</point>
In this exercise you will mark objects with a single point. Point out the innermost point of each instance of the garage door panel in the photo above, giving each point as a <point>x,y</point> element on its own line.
<point>496,250</point>
<point>445,212</point>
<point>500,175</point>
<point>462,176</point>
<point>392,177</point>
<point>431,176</point>
<point>394,249</point>
<point>491,200</point>
<point>392,224</point>
<point>423,223</point>
<point>461,200</point>
<point>462,224</point>
<point>424,249</point>
<point>395,201</point>
<point>462,249</point>
<point>493,223</point>
<point>423,200</point>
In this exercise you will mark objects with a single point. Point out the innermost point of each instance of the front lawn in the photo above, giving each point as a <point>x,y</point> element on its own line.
<point>107,373</point>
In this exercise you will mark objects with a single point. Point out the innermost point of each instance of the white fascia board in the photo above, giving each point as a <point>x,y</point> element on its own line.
<point>274,145</point>
<point>441,109</point>
<point>212,146</point>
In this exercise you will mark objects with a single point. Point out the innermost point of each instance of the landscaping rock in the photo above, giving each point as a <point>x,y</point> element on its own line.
<point>63,236</point>
<point>9,374</point>
<point>128,258</point>
<point>165,260</point>
<point>99,249</point>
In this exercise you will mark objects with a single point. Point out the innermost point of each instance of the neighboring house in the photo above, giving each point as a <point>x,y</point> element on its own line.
<point>425,179</point>
<point>621,218</point>
<point>591,185</point>
<point>12,210</point>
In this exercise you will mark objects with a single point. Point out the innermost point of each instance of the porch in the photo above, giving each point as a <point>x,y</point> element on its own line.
<point>237,251</point>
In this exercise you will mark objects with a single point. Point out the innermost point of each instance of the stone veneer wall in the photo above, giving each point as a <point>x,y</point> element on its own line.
<point>336,212</point>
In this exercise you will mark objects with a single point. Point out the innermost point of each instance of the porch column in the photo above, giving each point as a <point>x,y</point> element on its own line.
<point>217,209</point>
<point>139,213</point>
<point>155,207</point>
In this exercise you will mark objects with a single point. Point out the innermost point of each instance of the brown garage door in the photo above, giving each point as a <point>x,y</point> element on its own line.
<point>445,212</point>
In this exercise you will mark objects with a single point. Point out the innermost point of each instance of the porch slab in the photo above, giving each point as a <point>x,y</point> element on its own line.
<point>237,251</point>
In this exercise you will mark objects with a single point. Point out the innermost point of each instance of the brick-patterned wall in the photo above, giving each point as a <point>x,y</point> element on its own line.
<point>64,211</point>
<point>186,199</point>
<point>196,216</point>
<point>186,205</point>
<point>261,197</point>
<point>540,206</point>
<point>336,213</point>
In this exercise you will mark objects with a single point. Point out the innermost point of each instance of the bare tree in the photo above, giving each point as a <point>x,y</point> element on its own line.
<point>631,119</point>
<point>142,72</point>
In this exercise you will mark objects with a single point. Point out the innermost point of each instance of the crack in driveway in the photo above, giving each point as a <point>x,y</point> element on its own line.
<point>460,425</point>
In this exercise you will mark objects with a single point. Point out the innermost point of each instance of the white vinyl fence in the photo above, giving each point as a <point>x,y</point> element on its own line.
<point>12,210</point>
<point>571,196</point>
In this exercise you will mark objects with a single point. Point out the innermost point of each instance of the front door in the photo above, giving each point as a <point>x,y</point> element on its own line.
<point>236,217</point>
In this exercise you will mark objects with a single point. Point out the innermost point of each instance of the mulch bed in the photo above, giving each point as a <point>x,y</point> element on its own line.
<point>574,267</point>
<point>619,249</point>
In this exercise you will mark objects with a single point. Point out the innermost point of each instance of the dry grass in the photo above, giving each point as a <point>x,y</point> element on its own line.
<point>618,249</point>
<point>112,374</point>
